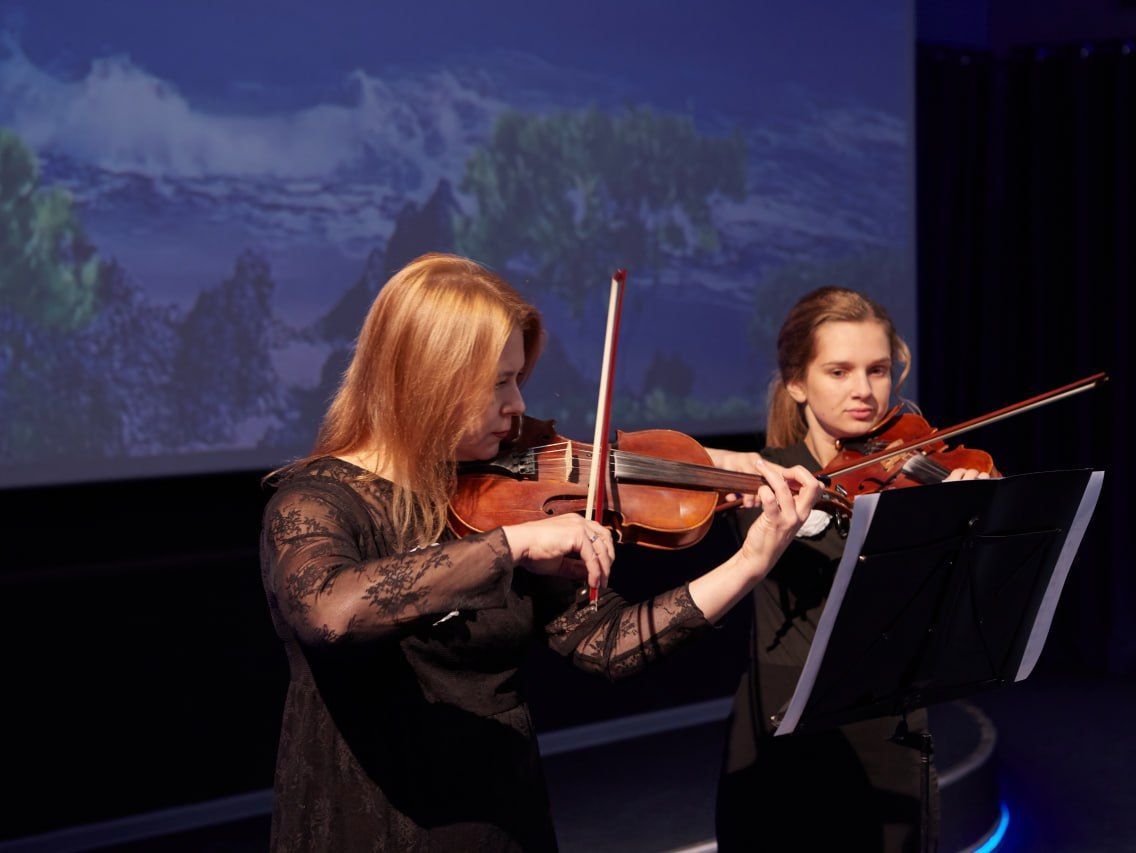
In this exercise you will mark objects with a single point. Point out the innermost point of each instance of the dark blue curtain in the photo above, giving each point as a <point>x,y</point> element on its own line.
<point>1026,204</point>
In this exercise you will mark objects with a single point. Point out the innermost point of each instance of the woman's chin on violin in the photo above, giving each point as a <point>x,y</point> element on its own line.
<point>845,388</point>
<point>839,388</point>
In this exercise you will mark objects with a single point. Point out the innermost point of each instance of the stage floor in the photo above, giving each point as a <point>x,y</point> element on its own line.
<point>1065,752</point>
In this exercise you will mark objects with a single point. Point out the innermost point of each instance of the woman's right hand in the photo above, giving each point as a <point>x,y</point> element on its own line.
<point>565,545</point>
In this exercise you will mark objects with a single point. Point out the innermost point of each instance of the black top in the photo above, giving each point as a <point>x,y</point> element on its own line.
<point>847,788</point>
<point>405,726</point>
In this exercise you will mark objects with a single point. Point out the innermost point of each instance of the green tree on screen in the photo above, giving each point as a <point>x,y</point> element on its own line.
<point>571,193</point>
<point>49,272</point>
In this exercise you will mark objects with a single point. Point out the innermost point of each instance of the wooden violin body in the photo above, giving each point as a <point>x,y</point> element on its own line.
<point>904,450</point>
<point>930,463</point>
<point>543,474</point>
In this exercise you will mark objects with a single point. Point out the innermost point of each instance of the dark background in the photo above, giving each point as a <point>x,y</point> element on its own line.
<point>141,668</point>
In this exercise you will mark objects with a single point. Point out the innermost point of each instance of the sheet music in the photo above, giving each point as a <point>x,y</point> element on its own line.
<point>1057,580</point>
<point>863,510</point>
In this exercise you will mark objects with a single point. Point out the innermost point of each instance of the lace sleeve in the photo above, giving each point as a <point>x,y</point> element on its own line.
<point>316,576</point>
<point>619,639</point>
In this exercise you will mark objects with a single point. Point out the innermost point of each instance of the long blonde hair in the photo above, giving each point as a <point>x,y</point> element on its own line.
<point>423,368</point>
<point>796,348</point>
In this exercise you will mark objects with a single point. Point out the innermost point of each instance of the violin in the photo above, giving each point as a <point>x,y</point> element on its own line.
<point>904,450</point>
<point>661,488</point>
<point>931,463</point>
<point>656,488</point>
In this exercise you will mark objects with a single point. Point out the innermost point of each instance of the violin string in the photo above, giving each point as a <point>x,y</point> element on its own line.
<point>652,469</point>
<point>636,466</point>
<point>923,465</point>
<point>628,465</point>
<point>685,473</point>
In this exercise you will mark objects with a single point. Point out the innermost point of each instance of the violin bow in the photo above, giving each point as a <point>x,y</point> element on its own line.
<point>597,479</point>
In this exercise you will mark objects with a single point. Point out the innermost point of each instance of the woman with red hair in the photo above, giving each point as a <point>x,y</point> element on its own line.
<point>405,725</point>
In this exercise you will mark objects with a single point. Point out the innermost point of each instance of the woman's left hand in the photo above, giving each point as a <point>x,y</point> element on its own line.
<point>782,514</point>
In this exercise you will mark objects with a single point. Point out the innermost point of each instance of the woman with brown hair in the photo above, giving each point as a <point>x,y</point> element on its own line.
<point>840,362</point>
<point>405,725</point>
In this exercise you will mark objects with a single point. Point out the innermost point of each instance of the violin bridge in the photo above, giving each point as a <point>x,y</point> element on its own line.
<point>568,462</point>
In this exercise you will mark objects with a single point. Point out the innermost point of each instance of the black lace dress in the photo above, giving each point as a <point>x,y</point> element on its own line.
<point>842,789</point>
<point>405,725</point>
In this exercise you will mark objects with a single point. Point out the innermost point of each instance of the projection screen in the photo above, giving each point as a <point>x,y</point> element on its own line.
<point>199,200</point>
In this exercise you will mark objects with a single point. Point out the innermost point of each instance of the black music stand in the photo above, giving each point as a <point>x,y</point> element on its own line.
<point>943,591</point>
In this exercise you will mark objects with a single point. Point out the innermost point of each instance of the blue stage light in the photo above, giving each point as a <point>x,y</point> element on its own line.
<point>999,833</point>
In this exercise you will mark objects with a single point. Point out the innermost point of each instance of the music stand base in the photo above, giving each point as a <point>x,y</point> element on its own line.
<point>923,742</point>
